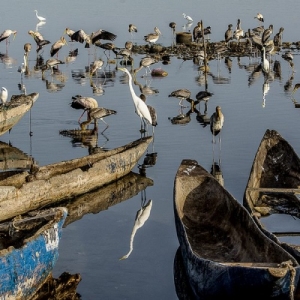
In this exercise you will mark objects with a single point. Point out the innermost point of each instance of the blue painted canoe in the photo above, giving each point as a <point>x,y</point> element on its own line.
<point>224,252</point>
<point>29,260</point>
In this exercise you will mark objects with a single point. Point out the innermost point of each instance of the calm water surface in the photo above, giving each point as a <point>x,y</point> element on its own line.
<point>93,245</point>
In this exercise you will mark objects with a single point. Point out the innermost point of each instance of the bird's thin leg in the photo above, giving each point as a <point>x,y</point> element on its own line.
<point>81,116</point>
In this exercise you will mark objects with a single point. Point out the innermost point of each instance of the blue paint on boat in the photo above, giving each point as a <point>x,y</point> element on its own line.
<point>23,270</point>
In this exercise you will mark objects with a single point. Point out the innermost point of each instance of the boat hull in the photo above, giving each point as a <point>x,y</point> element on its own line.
<point>224,252</point>
<point>23,270</point>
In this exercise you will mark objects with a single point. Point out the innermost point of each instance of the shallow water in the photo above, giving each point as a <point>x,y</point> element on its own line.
<point>93,245</point>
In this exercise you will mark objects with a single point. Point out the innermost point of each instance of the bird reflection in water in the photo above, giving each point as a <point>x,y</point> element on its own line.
<point>141,217</point>
<point>146,89</point>
<point>149,161</point>
<point>39,25</point>
<point>217,172</point>
<point>8,61</point>
<point>265,89</point>
<point>182,118</point>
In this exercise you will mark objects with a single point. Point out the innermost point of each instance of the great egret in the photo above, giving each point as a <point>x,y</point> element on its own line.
<point>181,94</point>
<point>189,19</point>
<point>141,108</point>
<point>57,46</point>
<point>153,37</point>
<point>85,103</point>
<point>97,113</point>
<point>40,18</point>
<point>3,95</point>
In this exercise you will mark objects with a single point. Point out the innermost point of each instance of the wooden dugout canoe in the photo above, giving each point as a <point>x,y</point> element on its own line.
<point>28,252</point>
<point>12,111</point>
<point>59,181</point>
<point>224,252</point>
<point>273,186</point>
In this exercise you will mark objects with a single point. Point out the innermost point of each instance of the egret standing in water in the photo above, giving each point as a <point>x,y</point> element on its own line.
<point>40,18</point>
<point>265,64</point>
<point>188,18</point>
<point>141,108</point>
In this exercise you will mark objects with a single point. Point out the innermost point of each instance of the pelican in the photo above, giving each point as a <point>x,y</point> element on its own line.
<point>153,37</point>
<point>57,46</point>
<point>259,17</point>
<point>266,34</point>
<point>216,121</point>
<point>3,95</point>
<point>39,40</point>
<point>41,19</point>
<point>189,19</point>
<point>278,37</point>
<point>141,108</point>
<point>6,34</point>
<point>181,94</point>
<point>85,103</point>
<point>97,64</point>
<point>97,113</point>
<point>146,62</point>
<point>141,217</point>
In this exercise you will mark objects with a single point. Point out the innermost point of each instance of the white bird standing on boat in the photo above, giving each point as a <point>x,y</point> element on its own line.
<point>189,19</point>
<point>40,18</point>
<point>3,95</point>
<point>141,108</point>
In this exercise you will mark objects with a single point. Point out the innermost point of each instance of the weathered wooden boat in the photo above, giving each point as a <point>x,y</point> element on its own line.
<point>29,251</point>
<point>11,112</point>
<point>224,252</point>
<point>106,196</point>
<point>52,183</point>
<point>63,288</point>
<point>273,188</point>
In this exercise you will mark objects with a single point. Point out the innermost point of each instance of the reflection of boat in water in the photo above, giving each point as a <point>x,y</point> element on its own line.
<point>29,251</point>
<point>105,197</point>
<point>142,215</point>
<point>43,185</point>
<point>224,252</point>
<point>11,112</point>
<point>64,287</point>
<point>13,160</point>
<point>272,190</point>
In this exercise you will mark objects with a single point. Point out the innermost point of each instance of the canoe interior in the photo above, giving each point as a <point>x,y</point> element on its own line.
<point>217,227</point>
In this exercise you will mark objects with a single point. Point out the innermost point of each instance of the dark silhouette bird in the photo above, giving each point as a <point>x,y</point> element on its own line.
<point>39,40</point>
<point>278,37</point>
<point>229,34</point>
<point>172,25</point>
<point>203,96</point>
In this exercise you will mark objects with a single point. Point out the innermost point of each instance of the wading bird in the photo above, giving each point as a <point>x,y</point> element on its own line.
<point>41,19</point>
<point>97,65</point>
<point>3,95</point>
<point>39,40</point>
<point>145,62</point>
<point>51,63</point>
<point>6,34</point>
<point>27,49</point>
<point>278,37</point>
<point>216,122</point>
<point>203,96</point>
<point>153,37</point>
<point>228,34</point>
<point>141,108</point>
<point>85,103</point>
<point>99,35</point>
<point>188,18</point>
<point>152,112</point>
<point>105,46</point>
<point>172,25</point>
<point>181,94</point>
<point>57,46</point>
<point>132,28</point>
<point>266,34</point>
<point>97,113</point>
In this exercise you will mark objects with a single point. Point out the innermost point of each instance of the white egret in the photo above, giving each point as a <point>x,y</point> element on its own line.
<point>141,108</point>
<point>189,19</point>
<point>3,95</point>
<point>40,18</point>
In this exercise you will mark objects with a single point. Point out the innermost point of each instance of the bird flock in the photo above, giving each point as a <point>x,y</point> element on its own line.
<point>259,39</point>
